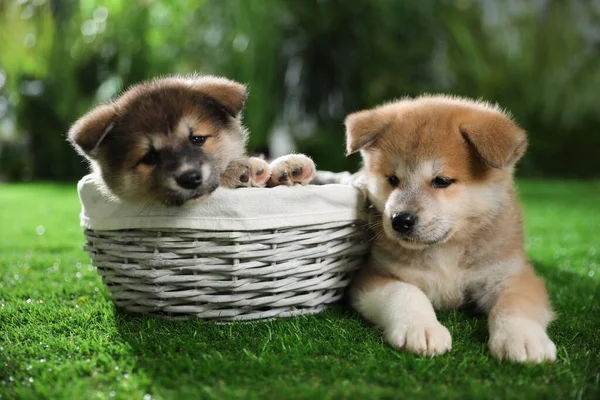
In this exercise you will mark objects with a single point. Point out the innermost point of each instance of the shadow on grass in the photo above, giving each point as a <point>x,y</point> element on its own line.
<point>338,348</point>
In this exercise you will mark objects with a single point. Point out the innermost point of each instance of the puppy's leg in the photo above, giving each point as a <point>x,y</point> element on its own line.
<point>290,169</point>
<point>518,321</point>
<point>246,172</point>
<point>403,311</point>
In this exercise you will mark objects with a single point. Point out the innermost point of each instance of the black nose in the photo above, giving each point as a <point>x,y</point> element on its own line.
<point>404,222</point>
<point>189,179</point>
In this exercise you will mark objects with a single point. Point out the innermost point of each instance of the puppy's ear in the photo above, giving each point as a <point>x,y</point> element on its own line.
<point>498,141</point>
<point>88,131</point>
<point>229,94</point>
<point>362,129</point>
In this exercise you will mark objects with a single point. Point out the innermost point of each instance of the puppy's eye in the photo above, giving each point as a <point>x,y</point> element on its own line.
<point>441,182</point>
<point>151,158</point>
<point>198,140</point>
<point>393,180</point>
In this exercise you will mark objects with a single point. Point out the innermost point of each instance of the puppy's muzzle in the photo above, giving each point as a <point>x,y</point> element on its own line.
<point>404,222</point>
<point>189,179</point>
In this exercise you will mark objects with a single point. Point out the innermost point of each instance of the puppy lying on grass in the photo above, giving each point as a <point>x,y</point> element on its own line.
<point>177,139</point>
<point>439,170</point>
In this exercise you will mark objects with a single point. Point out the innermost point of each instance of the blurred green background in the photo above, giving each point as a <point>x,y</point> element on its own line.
<point>308,63</point>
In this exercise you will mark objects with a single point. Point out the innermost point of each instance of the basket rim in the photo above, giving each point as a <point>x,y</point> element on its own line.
<point>245,209</point>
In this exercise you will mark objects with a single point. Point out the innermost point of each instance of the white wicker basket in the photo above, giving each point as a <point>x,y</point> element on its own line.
<point>238,255</point>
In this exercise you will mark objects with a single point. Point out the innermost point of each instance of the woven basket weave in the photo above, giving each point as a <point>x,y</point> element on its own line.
<point>238,255</point>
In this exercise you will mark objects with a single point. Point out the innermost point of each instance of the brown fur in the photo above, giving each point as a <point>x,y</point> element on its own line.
<point>161,116</point>
<point>468,239</point>
<point>524,295</point>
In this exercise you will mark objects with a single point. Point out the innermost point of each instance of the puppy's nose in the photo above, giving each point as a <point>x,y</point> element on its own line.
<point>404,222</point>
<point>189,179</point>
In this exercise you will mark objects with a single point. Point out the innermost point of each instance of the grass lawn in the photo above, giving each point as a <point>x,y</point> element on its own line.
<point>61,337</point>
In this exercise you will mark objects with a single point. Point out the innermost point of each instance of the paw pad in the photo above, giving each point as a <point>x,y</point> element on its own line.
<point>245,177</point>
<point>292,169</point>
<point>246,172</point>
<point>283,177</point>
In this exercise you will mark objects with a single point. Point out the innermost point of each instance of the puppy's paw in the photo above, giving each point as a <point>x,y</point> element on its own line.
<point>291,169</point>
<point>521,340</point>
<point>246,172</point>
<point>424,339</point>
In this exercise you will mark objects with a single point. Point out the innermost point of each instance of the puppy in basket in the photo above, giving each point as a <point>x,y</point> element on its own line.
<point>177,139</point>
<point>439,171</point>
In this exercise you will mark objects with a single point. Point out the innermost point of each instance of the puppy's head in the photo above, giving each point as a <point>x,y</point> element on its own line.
<point>167,140</point>
<point>437,167</point>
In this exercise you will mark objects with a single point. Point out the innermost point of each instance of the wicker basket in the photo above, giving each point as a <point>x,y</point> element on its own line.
<point>238,255</point>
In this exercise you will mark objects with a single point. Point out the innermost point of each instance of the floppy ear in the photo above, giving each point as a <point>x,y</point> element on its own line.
<point>362,129</point>
<point>229,94</point>
<point>498,141</point>
<point>89,131</point>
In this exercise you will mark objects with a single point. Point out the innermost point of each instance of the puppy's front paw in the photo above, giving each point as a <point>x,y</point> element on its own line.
<point>246,172</point>
<point>521,340</point>
<point>425,339</point>
<point>290,169</point>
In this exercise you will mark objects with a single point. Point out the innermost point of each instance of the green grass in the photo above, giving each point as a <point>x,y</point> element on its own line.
<point>62,338</point>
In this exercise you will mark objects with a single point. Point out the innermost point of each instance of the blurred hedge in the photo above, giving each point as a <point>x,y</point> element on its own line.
<point>308,63</point>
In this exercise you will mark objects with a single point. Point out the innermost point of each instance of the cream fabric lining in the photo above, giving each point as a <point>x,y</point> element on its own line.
<point>246,209</point>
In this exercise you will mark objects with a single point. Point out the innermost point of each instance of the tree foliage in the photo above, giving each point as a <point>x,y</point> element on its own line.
<point>307,64</point>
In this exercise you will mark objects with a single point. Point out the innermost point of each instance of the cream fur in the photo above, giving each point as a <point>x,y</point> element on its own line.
<point>468,241</point>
